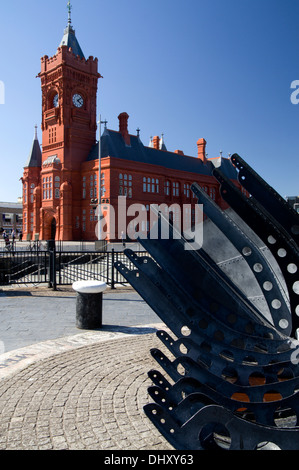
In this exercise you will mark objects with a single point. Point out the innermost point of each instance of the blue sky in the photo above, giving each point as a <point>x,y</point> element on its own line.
<point>218,69</point>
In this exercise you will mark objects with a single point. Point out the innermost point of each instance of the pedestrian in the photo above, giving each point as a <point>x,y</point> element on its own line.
<point>7,242</point>
<point>20,235</point>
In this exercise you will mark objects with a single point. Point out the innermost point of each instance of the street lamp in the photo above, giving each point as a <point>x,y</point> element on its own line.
<point>100,177</point>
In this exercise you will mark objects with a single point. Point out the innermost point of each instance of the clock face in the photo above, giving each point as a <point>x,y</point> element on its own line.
<point>78,100</point>
<point>56,101</point>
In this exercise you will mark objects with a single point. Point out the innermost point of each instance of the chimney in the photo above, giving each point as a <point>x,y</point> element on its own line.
<point>201,150</point>
<point>123,127</point>
<point>156,142</point>
<point>179,152</point>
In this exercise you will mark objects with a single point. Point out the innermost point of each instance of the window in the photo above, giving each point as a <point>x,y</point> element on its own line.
<point>153,185</point>
<point>91,186</point>
<point>150,185</point>
<point>52,135</point>
<point>93,192</point>
<point>95,186</point>
<point>32,186</point>
<point>130,187</point>
<point>121,187</point>
<point>187,190</point>
<point>57,185</point>
<point>125,185</point>
<point>47,187</point>
<point>84,220</point>
<point>167,188</point>
<point>175,189</point>
<point>84,188</point>
<point>103,190</point>
<point>213,193</point>
<point>25,193</point>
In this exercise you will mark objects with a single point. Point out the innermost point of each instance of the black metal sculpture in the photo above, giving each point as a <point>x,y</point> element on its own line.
<point>233,308</point>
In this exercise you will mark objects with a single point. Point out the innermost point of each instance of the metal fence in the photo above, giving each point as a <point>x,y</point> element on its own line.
<point>61,268</point>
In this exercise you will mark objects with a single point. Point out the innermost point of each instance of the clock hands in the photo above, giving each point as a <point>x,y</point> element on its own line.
<point>78,100</point>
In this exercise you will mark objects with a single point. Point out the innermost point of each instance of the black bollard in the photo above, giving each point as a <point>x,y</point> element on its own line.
<point>89,305</point>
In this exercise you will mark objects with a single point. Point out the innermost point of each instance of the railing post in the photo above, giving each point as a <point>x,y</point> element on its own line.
<point>112,270</point>
<point>54,267</point>
<point>52,264</point>
<point>107,267</point>
<point>59,264</point>
<point>45,266</point>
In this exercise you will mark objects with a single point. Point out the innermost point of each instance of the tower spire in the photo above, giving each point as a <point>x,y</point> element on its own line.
<point>69,38</point>
<point>35,155</point>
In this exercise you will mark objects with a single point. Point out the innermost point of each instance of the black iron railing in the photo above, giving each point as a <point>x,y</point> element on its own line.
<point>55,267</point>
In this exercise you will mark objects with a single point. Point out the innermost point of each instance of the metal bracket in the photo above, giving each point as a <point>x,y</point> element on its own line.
<point>231,373</point>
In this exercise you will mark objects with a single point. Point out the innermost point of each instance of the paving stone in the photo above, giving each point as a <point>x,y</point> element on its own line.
<point>85,398</point>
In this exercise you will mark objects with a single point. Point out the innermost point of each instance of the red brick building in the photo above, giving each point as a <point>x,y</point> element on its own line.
<point>61,182</point>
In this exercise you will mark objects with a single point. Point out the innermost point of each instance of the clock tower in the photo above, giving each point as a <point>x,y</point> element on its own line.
<point>69,92</point>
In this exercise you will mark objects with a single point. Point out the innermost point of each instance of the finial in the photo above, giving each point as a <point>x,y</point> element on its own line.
<point>35,135</point>
<point>69,7</point>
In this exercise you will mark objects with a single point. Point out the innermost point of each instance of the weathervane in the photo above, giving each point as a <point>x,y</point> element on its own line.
<point>69,7</point>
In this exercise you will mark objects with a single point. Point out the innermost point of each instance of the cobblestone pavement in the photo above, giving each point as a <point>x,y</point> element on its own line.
<point>85,398</point>
<point>64,388</point>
